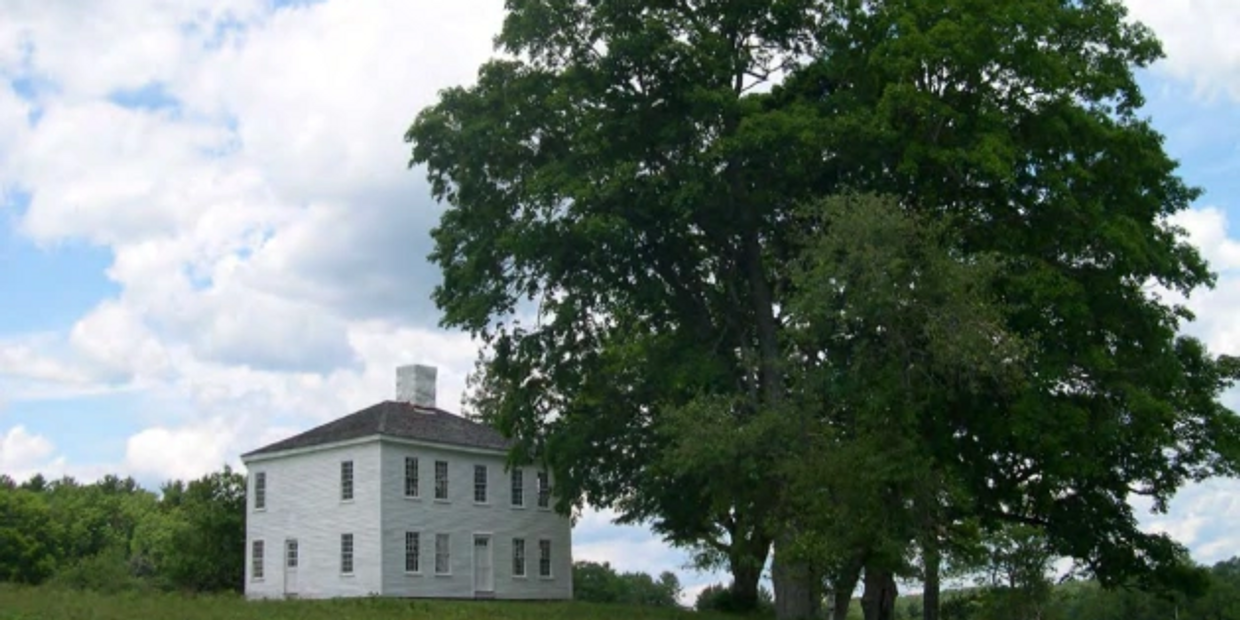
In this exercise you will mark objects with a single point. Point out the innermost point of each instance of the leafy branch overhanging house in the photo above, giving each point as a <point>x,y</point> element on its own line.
<point>402,499</point>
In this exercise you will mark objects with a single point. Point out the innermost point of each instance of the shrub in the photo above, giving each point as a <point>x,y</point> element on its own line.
<point>718,597</point>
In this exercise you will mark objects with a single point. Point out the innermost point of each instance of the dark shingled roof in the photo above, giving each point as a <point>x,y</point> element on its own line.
<point>396,419</point>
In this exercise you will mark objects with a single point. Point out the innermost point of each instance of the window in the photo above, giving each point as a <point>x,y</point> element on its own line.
<point>441,480</point>
<point>412,551</point>
<point>518,487</point>
<point>442,558</point>
<point>480,484</point>
<point>290,554</point>
<point>346,480</point>
<point>346,554</point>
<point>544,558</point>
<point>544,490</point>
<point>411,476</point>
<point>518,557</point>
<point>260,490</point>
<point>256,560</point>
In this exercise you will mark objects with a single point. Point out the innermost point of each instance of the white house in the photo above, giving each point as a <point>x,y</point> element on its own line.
<point>402,499</point>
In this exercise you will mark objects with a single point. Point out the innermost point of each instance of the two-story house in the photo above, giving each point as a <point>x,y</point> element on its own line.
<point>402,499</point>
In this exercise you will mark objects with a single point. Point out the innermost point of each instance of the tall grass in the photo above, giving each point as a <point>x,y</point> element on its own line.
<point>51,603</point>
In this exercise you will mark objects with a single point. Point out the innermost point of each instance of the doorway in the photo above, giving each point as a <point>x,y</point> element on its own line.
<point>484,566</point>
<point>291,560</point>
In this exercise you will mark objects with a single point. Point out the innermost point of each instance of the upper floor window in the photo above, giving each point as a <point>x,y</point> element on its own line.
<point>346,554</point>
<point>260,490</point>
<point>441,480</point>
<point>480,484</point>
<point>518,487</point>
<point>256,559</point>
<point>411,476</point>
<point>346,480</point>
<point>544,490</point>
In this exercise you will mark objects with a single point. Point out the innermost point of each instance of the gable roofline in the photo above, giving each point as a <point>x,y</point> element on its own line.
<point>255,457</point>
<point>429,426</point>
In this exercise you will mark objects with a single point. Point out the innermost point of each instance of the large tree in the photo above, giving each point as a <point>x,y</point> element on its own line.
<point>1017,123</point>
<point>618,171</point>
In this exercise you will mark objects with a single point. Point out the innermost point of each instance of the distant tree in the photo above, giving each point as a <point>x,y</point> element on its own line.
<point>207,540</point>
<point>27,545</point>
<point>37,483</point>
<point>600,583</point>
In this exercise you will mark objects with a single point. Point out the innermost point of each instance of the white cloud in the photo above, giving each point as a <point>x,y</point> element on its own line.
<point>268,242</point>
<point>1199,39</point>
<point>182,453</point>
<point>23,454</point>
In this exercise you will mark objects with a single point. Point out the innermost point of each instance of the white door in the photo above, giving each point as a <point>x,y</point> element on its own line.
<point>291,560</point>
<point>484,566</point>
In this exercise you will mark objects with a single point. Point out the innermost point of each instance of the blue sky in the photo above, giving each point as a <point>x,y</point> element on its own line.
<point>208,237</point>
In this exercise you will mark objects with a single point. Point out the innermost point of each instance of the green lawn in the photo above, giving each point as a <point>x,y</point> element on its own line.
<point>18,603</point>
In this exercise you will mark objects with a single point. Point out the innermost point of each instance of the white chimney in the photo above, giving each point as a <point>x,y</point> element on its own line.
<point>415,384</point>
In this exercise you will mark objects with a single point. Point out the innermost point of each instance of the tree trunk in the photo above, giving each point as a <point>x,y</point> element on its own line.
<point>845,585</point>
<point>879,600</point>
<point>930,597</point>
<point>746,573</point>
<point>797,596</point>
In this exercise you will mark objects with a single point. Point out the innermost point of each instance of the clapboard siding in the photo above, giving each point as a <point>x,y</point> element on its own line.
<point>303,502</point>
<point>461,518</point>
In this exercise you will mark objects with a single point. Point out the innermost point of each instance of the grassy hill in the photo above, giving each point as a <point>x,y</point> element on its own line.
<point>43,603</point>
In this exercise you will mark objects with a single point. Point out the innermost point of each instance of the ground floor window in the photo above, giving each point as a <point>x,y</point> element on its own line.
<point>442,557</point>
<point>346,554</point>
<point>544,558</point>
<point>256,559</point>
<point>412,543</point>
<point>518,557</point>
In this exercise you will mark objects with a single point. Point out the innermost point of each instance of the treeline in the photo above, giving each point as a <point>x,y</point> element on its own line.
<point>1085,600</point>
<point>114,535</point>
<point>600,583</point>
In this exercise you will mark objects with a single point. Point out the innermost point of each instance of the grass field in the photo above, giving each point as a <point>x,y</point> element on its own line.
<point>19,603</point>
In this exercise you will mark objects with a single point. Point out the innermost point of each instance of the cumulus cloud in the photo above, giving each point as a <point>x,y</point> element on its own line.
<point>1199,39</point>
<point>244,166</point>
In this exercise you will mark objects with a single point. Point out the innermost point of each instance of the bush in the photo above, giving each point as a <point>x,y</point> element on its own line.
<point>108,571</point>
<point>718,597</point>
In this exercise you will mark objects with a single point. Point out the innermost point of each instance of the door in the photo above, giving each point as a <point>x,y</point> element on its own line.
<point>484,565</point>
<point>291,560</point>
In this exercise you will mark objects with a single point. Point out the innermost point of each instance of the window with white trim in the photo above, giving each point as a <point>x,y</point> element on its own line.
<point>413,551</point>
<point>346,480</point>
<point>544,490</point>
<point>518,487</point>
<point>518,557</point>
<point>480,484</point>
<point>441,480</point>
<point>443,564</point>
<point>260,490</point>
<point>346,554</point>
<point>411,476</point>
<point>544,558</point>
<point>256,560</point>
<point>290,554</point>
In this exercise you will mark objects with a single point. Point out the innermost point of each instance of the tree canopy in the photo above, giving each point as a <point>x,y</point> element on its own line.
<point>626,232</point>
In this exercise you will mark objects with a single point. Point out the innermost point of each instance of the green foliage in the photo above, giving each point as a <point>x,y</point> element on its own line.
<point>27,546</point>
<point>980,352</point>
<point>600,583</point>
<point>44,603</point>
<point>721,598</point>
<point>114,536</point>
